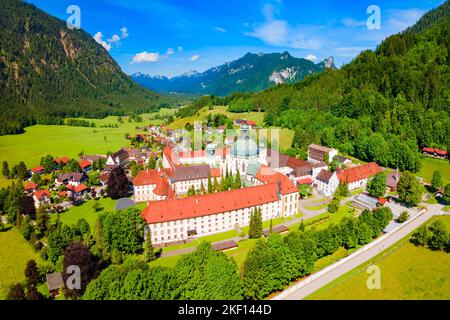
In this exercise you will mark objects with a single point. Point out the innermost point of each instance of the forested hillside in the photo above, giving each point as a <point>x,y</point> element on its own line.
<point>48,72</point>
<point>383,106</point>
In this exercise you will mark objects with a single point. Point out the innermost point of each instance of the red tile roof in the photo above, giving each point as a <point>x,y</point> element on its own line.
<point>146,177</point>
<point>305,181</point>
<point>203,205</point>
<point>30,186</point>
<point>40,193</point>
<point>62,194</point>
<point>359,173</point>
<point>79,188</point>
<point>267,175</point>
<point>437,151</point>
<point>63,160</point>
<point>171,157</point>
<point>37,169</point>
<point>84,164</point>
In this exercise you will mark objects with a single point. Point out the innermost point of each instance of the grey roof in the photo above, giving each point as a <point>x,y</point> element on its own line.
<point>324,176</point>
<point>276,229</point>
<point>342,159</point>
<point>224,245</point>
<point>55,281</point>
<point>184,173</point>
<point>124,203</point>
<point>77,176</point>
<point>392,180</point>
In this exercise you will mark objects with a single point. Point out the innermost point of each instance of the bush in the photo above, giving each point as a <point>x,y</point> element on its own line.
<point>403,217</point>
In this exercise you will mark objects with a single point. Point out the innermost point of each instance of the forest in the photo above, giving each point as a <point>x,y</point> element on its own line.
<point>48,73</point>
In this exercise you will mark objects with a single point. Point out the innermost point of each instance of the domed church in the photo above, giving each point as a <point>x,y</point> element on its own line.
<point>243,152</point>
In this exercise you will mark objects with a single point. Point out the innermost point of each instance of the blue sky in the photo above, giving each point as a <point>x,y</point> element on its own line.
<point>175,36</point>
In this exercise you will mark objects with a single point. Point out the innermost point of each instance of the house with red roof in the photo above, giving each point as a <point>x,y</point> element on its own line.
<point>437,153</point>
<point>357,177</point>
<point>78,190</point>
<point>41,197</point>
<point>39,170</point>
<point>30,186</point>
<point>62,161</point>
<point>85,165</point>
<point>184,218</point>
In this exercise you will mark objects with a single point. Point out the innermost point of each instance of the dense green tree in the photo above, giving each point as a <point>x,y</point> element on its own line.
<point>376,187</point>
<point>5,169</point>
<point>26,228</point>
<point>446,196</point>
<point>408,189</point>
<point>421,236</point>
<point>122,230</point>
<point>436,181</point>
<point>149,251</point>
<point>151,163</point>
<point>16,292</point>
<point>439,238</point>
<point>32,273</point>
<point>404,216</point>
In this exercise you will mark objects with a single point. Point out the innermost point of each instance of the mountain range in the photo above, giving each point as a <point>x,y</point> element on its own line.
<point>251,73</point>
<point>48,72</point>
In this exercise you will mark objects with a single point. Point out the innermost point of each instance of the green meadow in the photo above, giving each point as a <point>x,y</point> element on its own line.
<point>15,253</point>
<point>429,165</point>
<point>407,272</point>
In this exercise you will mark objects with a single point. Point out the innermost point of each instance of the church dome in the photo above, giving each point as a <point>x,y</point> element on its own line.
<point>244,147</point>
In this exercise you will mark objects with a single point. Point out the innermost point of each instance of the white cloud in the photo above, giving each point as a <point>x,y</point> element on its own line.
<point>311,57</point>
<point>170,51</point>
<point>124,32</point>
<point>349,22</point>
<point>277,32</point>
<point>98,38</point>
<point>220,29</point>
<point>114,39</point>
<point>402,19</point>
<point>349,51</point>
<point>146,57</point>
<point>195,57</point>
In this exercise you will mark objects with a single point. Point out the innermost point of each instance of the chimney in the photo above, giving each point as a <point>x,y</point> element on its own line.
<point>196,201</point>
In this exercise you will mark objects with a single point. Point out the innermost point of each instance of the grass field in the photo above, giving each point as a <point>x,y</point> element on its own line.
<point>407,272</point>
<point>429,165</point>
<point>203,113</point>
<point>85,211</point>
<point>40,140</point>
<point>15,253</point>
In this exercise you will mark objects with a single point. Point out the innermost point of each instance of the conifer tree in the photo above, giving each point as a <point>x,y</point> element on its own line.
<point>258,227</point>
<point>210,184</point>
<point>215,185</point>
<point>149,251</point>
<point>237,181</point>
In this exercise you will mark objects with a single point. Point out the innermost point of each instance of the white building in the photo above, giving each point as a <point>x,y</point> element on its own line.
<point>318,153</point>
<point>327,182</point>
<point>180,219</point>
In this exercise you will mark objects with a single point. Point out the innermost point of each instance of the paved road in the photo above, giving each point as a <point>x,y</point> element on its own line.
<point>311,284</point>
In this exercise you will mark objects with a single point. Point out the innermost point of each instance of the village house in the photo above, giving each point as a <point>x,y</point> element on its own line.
<point>41,197</point>
<point>318,153</point>
<point>327,182</point>
<point>392,180</point>
<point>62,161</point>
<point>70,178</point>
<point>357,177</point>
<point>119,158</point>
<point>77,191</point>
<point>30,187</point>
<point>85,165</point>
<point>437,153</point>
<point>38,170</point>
